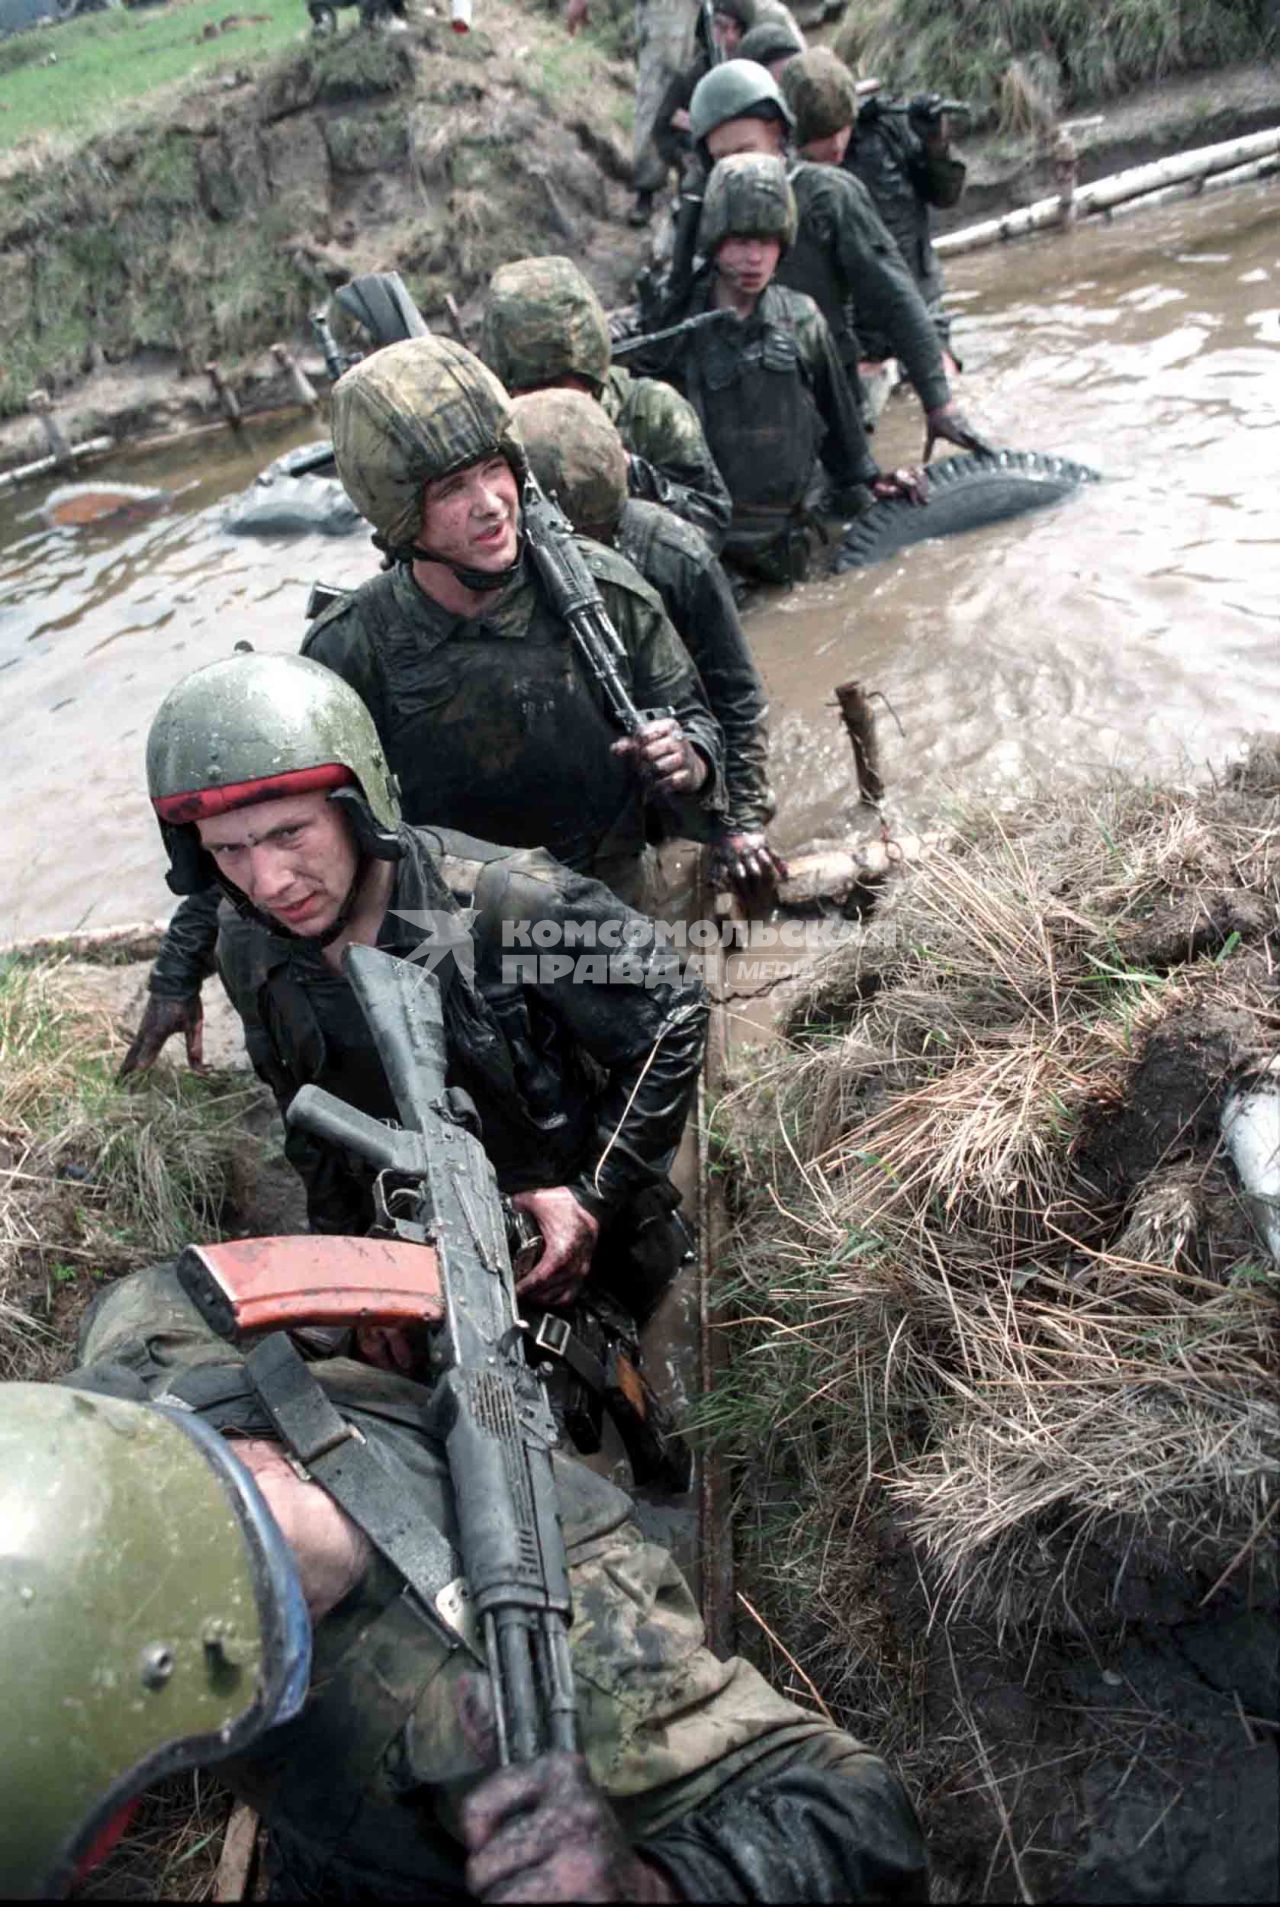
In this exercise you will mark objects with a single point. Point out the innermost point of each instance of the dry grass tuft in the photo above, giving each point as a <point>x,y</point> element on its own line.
<point>94,1179</point>
<point>991,1268</point>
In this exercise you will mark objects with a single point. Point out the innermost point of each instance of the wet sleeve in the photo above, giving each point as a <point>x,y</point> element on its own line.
<point>938,176</point>
<point>885,295</point>
<point>713,634</point>
<point>845,453</point>
<point>669,462</point>
<point>630,1006</point>
<point>662,676</point>
<point>186,956</point>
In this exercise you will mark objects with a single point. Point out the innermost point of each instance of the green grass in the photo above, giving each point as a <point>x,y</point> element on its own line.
<point>108,64</point>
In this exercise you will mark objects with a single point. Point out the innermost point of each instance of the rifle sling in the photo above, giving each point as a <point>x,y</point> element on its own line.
<point>373,1487</point>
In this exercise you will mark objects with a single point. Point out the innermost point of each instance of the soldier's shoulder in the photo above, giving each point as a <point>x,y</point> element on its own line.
<point>796,308</point>
<point>615,574</point>
<point>353,617</point>
<point>651,533</point>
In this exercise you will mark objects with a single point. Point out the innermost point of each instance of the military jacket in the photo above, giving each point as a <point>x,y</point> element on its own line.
<point>695,592</point>
<point>668,458</point>
<point>848,263</point>
<point>736,1793</point>
<point>904,178</point>
<point>575,1032</point>
<point>495,726</point>
<point>774,401</point>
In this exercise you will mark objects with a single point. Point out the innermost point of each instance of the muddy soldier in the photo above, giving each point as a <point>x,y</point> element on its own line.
<point>772,396</point>
<point>488,718</point>
<point>576,453</point>
<point>200,1599</point>
<point>267,774</point>
<point>904,159</point>
<point>843,257</point>
<point>543,326</point>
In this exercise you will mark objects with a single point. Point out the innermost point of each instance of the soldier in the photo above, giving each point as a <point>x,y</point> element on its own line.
<point>770,390</point>
<point>906,163</point>
<point>843,255</point>
<point>175,1594</point>
<point>772,44</point>
<point>543,325</point>
<point>576,453</point>
<point>267,775</point>
<point>487,716</point>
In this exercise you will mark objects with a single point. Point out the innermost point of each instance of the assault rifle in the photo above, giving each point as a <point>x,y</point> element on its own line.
<point>707,33</point>
<point>574,593</point>
<point>438,1201</point>
<point>700,321</point>
<point>924,108</point>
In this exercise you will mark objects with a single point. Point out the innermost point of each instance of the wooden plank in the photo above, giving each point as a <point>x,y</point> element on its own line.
<point>233,1878</point>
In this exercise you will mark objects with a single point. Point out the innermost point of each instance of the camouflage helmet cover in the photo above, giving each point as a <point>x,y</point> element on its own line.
<point>771,40</point>
<point>254,728</point>
<point>150,1616</point>
<point>736,89</point>
<point>543,321</point>
<point>748,196</point>
<point>576,454</point>
<point>821,93</point>
<point>411,413</point>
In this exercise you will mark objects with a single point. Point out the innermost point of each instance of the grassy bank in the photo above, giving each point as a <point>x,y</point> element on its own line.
<point>1020,59</point>
<point>68,82</point>
<point>1005,1342</point>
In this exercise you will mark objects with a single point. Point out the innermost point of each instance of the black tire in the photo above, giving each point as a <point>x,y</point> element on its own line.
<point>964,494</point>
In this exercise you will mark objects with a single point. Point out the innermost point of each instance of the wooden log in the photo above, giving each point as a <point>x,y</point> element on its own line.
<point>455,317</point>
<point>46,466</point>
<point>1102,194</point>
<point>1267,168</point>
<point>233,1878</point>
<point>299,383</point>
<point>99,946</point>
<point>40,404</point>
<point>224,394</point>
<point>860,726</point>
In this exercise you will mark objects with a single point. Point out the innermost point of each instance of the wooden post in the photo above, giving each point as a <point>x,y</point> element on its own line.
<point>455,316</point>
<point>300,384</point>
<point>234,1876</point>
<point>224,394</point>
<point>41,405</point>
<point>1065,170</point>
<point>860,725</point>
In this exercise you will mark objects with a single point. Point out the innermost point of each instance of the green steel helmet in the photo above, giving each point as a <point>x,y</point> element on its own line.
<point>151,1618</point>
<point>736,89</point>
<point>256,728</point>
<point>771,40</point>
<point>543,322</point>
<point>577,456</point>
<point>748,196</point>
<point>821,93</point>
<point>410,413</point>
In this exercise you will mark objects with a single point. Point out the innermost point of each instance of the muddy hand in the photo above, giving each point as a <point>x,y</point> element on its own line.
<point>910,483</point>
<point>667,761</point>
<point>949,424</point>
<point>569,1234</point>
<point>387,1345</point>
<point>744,861</point>
<point>160,1021</point>
<point>545,1832</point>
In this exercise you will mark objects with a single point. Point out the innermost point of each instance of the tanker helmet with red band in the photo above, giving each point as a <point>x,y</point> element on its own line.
<point>260,728</point>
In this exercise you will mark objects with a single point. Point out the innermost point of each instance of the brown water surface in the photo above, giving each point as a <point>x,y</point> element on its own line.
<point>1138,625</point>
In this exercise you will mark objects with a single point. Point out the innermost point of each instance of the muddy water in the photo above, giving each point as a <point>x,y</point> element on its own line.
<point>1138,625</point>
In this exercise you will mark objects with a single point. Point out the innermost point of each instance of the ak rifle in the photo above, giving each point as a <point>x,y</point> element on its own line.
<point>440,1244</point>
<point>700,321</point>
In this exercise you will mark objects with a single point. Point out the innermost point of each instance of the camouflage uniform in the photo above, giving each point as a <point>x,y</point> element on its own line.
<point>735,1793</point>
<point>543,323</point>
<point>581,1067</point>
<point>848,263</point>
<point>905,176</point>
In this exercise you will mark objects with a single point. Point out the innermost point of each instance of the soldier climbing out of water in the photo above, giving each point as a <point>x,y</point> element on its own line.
<point>770,391</point>
<point>842,257</point>
<point>268,777</point>
<point>490,720</point>
<point>543,326</point>
<point>577,455</point>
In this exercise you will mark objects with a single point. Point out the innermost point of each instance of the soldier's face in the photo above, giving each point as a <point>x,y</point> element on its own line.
<point>829,151</point>
<point>749,263</point>
<point>293,858</point>
<point>747,135</point>
<point>470,518</point>
<point>728,33</point>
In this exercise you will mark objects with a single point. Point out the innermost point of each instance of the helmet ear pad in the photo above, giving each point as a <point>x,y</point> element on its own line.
<point>372,840</point>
